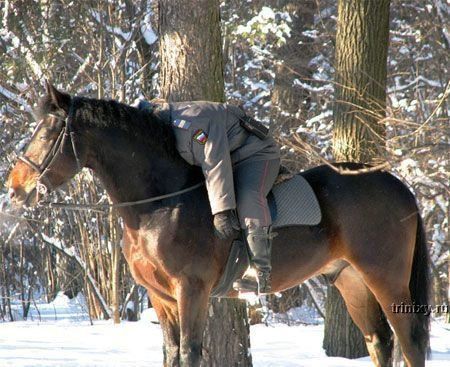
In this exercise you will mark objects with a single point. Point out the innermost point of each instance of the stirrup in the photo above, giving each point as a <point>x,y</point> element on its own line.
<point>246,285</point>
<point>255,282</point>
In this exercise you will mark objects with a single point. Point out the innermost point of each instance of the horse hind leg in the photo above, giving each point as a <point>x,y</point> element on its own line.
<point>404,324</point>
<point>390,291</point>
<point>401,280</point>
<point>367,315</point>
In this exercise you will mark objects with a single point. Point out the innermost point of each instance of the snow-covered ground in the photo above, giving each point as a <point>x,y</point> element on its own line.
<point>63,336</point>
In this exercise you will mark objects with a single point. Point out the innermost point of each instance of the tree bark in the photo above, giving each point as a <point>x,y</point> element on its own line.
<point>360,103</point>
<point>342,337</point>
<point>192,69</point>
<point>190,49</point>
<point>227,336</point>
<point>361,68</point>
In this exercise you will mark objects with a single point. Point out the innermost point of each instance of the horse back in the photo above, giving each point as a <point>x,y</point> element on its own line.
<point>373,196</point>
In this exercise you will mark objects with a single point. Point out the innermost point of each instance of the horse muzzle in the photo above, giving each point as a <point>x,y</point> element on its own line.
<point>19,198</point>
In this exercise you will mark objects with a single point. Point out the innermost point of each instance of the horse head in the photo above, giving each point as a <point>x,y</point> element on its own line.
<point>52,156</point>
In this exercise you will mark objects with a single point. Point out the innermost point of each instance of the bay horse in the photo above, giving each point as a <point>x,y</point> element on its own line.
<point>369,221</point>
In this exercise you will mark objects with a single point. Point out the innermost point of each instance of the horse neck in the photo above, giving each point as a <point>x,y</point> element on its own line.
<point>131,171</point>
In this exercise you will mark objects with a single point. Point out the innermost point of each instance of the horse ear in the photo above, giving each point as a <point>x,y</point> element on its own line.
<point>59,99</point>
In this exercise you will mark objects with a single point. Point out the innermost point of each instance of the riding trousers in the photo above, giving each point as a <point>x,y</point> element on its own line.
<point>252,182</point>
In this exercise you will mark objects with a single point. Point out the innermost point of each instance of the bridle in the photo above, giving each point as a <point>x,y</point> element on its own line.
<point>43,185</point>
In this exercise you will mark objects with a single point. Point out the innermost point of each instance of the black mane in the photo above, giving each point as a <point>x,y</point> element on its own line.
<point>144,126</point>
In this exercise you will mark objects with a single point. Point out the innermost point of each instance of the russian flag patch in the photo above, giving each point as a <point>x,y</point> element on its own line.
<point>200,137</point>
<point>182,124</point>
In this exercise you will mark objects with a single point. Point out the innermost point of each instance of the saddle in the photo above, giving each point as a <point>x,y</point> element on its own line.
<point>292,202</point>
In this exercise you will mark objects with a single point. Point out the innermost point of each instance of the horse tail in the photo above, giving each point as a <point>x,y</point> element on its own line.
<point>419,287</point>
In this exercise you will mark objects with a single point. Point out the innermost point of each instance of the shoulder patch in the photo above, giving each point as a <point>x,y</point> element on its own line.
<point>200,137</point>
<point>181,124</point>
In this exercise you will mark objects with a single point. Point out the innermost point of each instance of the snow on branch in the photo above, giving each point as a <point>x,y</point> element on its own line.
<point>80,70</point>
<point>15,98</point>
<point>5,14</point>
<point>146,27</point>
<point>114,30</point>
<point>420,78</point>
<point>325,88</point>
<point>440,9</point>
<point>15,41</point>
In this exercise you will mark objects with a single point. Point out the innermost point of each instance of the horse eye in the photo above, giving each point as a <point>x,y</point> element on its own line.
<point>43,137</point>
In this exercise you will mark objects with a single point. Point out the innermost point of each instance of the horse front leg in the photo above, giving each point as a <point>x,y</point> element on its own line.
<point>167,313</point>
<point>192,299</point>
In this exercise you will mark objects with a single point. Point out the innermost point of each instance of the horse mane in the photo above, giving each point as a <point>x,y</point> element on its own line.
<point>148,128</point>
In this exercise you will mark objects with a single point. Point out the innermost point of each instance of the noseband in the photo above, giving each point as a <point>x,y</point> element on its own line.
<point>43,184</point>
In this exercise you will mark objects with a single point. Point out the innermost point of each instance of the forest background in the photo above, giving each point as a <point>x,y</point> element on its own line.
<point>278,58</point>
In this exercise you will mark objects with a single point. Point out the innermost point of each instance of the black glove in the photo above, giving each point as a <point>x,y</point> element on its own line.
<point>226,225</point>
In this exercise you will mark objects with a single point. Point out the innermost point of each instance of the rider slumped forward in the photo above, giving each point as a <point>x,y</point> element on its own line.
<point>240,168</point>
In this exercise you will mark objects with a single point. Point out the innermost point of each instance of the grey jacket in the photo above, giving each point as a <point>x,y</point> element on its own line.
<point>209,135</point>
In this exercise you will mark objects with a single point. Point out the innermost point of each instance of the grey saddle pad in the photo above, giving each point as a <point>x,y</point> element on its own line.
<point>293,202</point>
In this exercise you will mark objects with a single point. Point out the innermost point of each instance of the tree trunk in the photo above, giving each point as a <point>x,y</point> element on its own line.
<point>360,103</point>
<point>192,69</point>
<point>190,49</point>
<point>342,337</point>
<point>227,336</point>
<point>361,68</point>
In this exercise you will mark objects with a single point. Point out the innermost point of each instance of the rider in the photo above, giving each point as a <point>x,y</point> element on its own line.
<point>217,137</point>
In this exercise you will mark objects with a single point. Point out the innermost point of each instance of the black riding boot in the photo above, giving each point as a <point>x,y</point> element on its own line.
<point>259,241</point>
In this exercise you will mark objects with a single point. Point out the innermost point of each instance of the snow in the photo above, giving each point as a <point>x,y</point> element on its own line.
<point>267,13</point>
<point>259,96</point>
<point>266,22</point>
<point>80,344</point>
<point>114,30</point>
<point>27,53</point>
<point>149,34</point>
<point>146,26</point>
<point>326,87</point>
<point>318,118</point>
<point>63,336</point>
<point>15,98</point>
<point>420,78</point>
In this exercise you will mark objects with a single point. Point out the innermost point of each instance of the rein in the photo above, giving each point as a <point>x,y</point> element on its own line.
<point>119,205</point>
<point>42,168</point>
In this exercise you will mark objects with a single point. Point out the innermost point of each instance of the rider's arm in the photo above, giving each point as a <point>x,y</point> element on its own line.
<point>213,154</point>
